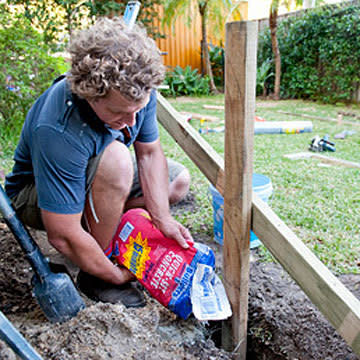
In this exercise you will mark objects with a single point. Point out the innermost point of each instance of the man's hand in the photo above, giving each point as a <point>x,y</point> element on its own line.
<point>174,230</point>
<point>67,235</point>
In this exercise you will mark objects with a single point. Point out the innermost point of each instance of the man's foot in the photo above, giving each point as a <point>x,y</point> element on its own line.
<point>99,290</point>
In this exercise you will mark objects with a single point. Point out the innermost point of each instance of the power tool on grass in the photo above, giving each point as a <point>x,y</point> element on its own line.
<point>321,144</point>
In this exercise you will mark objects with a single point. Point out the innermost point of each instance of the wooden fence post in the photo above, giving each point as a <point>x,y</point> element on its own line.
<point>240,82</point>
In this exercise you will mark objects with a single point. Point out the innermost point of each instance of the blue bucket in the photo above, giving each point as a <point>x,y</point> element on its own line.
<point>261,185</point>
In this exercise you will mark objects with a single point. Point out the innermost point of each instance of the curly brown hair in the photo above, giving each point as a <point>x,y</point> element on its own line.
<point>108,55</point>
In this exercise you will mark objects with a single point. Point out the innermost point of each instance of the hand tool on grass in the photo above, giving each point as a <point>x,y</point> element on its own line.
<point>344,134</point>
<point>55,293</point>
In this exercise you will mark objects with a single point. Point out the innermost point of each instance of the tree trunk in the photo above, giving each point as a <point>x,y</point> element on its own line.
<point>275,50</point>
<point>205,56</point>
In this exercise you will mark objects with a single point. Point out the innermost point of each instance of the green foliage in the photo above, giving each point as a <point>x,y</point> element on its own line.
<point>26,71</point>
<point>217,61</point>
<point>186,82</point>
<point>147,13</point>
<point>56,19</point>
<point>215,12</point>
<point>320,54</point>
<point>263,73</point>
<point>53,18</point>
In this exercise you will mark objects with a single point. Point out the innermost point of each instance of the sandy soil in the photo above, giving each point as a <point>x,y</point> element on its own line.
<point>283,324</point>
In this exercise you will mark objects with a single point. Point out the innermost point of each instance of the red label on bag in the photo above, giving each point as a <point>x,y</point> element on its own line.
<point>159,263</point>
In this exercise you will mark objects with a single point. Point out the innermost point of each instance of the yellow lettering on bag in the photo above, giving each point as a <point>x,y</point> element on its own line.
<point>136,255</point>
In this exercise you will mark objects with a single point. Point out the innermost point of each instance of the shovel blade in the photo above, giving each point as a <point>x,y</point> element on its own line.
<point>57,296</point>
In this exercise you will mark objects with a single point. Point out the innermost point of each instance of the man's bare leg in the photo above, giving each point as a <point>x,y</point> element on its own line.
<point>178,189</point>
<point>103,210</point>
<point>109,191</point>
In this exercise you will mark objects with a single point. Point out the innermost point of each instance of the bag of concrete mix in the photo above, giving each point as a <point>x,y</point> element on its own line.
<point>168,271</point>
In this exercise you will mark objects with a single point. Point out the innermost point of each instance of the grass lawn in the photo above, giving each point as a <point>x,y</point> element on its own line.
<point>321,204</point>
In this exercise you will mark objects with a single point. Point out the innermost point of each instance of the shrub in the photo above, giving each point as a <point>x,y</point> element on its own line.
<point>320,54</point>
<point>27,70</point>
<point>186,82</point>
<point>57,19</point>
<point>217,60</point>
<point>263,73</point>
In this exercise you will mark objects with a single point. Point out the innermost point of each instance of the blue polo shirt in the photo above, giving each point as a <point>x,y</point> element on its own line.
<point>60,134</point>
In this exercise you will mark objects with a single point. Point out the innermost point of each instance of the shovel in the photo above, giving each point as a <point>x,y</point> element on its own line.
<point>16,341</point>
<point>55,292</point>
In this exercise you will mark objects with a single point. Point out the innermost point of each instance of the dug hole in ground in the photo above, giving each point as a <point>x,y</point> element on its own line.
<point>283,323</point>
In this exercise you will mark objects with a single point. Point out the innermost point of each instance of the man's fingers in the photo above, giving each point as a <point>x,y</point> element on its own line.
<point>183,242</point>
<point>187,235</point>
<point>126,274</point>
<point>181,238</point>
<point>178,232</point>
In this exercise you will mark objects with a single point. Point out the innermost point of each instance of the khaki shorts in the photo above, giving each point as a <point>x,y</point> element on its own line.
<point>26,202</point>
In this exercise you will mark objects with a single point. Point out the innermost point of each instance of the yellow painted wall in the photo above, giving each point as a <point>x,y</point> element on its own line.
<point>182,44</point>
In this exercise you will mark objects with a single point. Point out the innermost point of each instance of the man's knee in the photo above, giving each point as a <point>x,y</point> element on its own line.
<point>115,170</point>
<point>179,187</point>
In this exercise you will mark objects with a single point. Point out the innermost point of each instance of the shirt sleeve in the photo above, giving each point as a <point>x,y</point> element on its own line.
<point>149,130</point>
<point>60,171</point>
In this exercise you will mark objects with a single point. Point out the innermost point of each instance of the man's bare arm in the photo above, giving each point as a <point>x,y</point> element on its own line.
<point>66,234</point>
<point>153,175</point>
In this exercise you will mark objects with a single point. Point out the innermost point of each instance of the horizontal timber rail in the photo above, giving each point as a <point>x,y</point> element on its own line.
<point>332,298</point>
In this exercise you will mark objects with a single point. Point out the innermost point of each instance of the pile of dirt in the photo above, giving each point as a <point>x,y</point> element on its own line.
<point>104,331</point>
<point>283,323</point>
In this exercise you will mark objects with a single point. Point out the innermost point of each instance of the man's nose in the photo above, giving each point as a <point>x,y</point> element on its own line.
<point>130,119</point>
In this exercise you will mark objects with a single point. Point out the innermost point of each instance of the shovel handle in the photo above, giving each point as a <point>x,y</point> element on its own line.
<point>131,13</point>
<point>16,341</point>
<point>27,243</point>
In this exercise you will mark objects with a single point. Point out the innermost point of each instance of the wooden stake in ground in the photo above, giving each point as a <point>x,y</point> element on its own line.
<point>214,107</point>
<point>339,122</point>
<point>240,79</point>
<point>324,159</point>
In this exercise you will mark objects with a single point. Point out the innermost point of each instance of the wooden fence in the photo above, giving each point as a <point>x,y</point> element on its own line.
<point>182,44</point>
<point>242,207</point>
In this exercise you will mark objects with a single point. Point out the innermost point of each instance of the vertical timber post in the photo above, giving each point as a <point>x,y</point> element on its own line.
<point>240,82</point>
